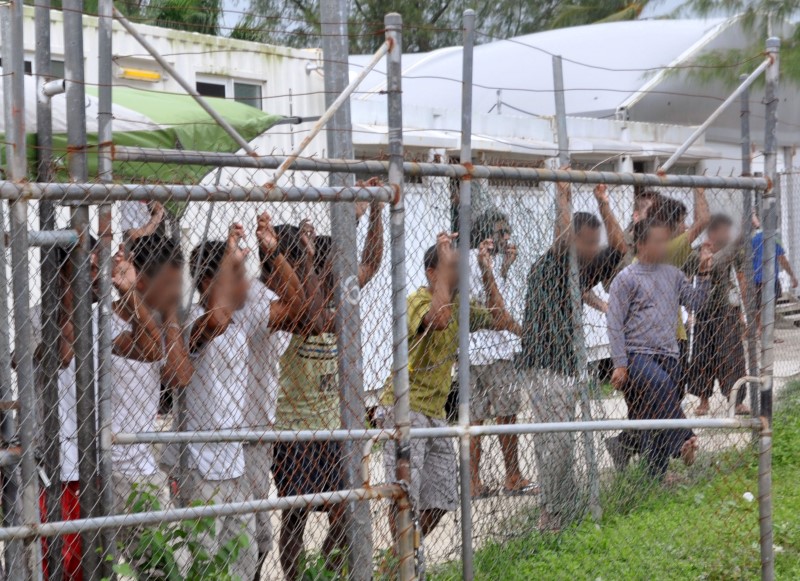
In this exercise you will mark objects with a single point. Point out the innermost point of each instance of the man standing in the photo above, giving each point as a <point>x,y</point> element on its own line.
<point>223,322</point>
<point>718,352</point>
<point>433,345</point>
<point>495,389</point>
<point>644,347</point>
<point>548,356</point>
<point>781,262</point>
<point>309,394</point>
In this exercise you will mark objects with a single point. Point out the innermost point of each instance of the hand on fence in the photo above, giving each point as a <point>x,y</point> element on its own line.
<point>509,258</point>
<point>308,237</point>
<point>486,254</point>
<point>619,378</point>
<point>706,258</point>
<point>444,245</point>
<point>266,235</point>
<point>235,236</point>
<point>601,194</point>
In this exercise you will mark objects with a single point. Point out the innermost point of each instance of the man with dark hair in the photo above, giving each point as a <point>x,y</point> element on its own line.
<point>148,352</point>
<point>309,393</point>
<point>432,349</point>
<point>548,356</point>
<point>642,203</point>
<point>229,316</point>
<point>672,214</point>
<point>495,387</point>
<point>67,402</point>
<point>718,353</point>
<point>644,348</point>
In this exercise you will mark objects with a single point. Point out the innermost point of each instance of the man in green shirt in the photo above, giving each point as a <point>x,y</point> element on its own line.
<point>433,345</point>
<point>549,360</point>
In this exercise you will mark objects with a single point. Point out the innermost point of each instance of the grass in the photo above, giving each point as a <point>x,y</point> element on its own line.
<point>705,529</point>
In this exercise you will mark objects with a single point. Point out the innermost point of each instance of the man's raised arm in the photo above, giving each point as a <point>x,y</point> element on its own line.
<point>214,321</point>
<point>614,232</point>
<point>702,215</point>
<point>503,321</point>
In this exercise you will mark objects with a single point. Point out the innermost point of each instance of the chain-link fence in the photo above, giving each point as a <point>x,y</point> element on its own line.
<point>211,374</point>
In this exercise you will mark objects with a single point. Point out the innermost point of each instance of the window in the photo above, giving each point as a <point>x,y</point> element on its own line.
<point>241,92</point>
<point>210,89</point>
<point>247,94</point>
<point>57,69</point>
<point>28,67</point>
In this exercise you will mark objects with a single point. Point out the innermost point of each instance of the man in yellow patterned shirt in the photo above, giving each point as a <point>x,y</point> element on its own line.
<point>433,345</point>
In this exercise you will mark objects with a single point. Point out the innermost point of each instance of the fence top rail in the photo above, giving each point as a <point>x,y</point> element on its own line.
<point>103,192</point>
<point>218,159</point>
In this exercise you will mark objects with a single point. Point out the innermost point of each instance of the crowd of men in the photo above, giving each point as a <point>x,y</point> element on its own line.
<point>262,354</point>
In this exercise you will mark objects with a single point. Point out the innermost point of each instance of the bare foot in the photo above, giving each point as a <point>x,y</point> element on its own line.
<point>742,410</point>
<point>702,409</point>
<point>689,451</point>
<point>548,523</point>
<point>520,487</point>
<point>479,490</point>
<point>672,479</point>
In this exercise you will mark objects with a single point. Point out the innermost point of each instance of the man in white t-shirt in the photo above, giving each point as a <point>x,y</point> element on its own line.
<point>66,411</point>
<point>230,319</point>
<point>495,387</point>
<point>148,351</point>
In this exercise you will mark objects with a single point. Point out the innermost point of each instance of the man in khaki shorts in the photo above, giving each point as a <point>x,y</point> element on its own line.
<point>495,387</point>
<point>433,344</point>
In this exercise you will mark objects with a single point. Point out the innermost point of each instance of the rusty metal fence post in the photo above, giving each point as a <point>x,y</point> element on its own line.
<point>464,236</point>
<point>394,70</point>
<point>768,281</point>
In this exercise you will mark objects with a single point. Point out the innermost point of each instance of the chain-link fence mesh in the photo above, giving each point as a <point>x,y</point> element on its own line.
<point>224,319</point>
<point>210,380</point>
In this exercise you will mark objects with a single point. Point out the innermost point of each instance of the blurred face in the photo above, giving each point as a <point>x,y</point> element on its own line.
<point>720,237</point>
<point>654,249</point>
<point>162,291</point>
<point>446,272</point>
<point>501,236</point>
<point>587,243</point>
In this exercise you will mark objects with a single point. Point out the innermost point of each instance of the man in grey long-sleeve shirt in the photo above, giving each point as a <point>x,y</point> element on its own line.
<point>644,349</point>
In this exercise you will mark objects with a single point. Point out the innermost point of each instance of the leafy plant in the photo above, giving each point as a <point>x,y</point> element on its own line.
<point>316,567</point>
<point>154,556</point>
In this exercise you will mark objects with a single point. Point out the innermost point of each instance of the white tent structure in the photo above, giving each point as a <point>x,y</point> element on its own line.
<point>637,70</point>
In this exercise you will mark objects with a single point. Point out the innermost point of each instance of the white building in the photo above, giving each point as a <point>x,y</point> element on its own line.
<point>629,100</point>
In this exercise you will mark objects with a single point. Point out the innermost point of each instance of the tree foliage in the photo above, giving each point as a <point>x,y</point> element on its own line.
<point>759,19</point>
<point>582,12</point>
<point>427,24</point>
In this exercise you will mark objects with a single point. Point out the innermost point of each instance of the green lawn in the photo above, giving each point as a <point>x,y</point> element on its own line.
<point>704,529</point>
